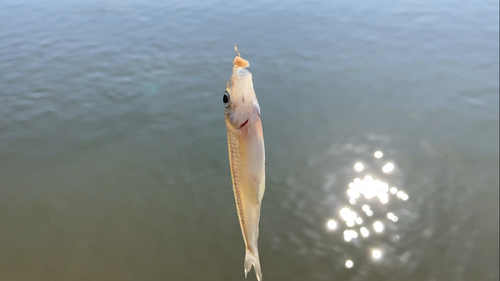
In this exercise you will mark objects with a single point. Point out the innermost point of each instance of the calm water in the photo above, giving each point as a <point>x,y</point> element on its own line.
<point>113,153</point>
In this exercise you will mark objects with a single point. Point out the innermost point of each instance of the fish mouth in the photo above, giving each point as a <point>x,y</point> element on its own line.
<point>244,123</point>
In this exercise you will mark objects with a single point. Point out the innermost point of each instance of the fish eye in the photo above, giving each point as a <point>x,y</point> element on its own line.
<point>225,99</point>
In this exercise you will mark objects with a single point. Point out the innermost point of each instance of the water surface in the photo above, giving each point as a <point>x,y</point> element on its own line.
<point>113,153</point>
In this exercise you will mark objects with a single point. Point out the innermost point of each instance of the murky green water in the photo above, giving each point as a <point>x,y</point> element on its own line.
<point>113,153</point>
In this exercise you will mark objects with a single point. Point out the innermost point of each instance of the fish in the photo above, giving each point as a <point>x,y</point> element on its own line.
<point>246,156</point>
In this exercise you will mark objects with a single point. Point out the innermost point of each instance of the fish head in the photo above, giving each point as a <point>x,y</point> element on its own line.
<point>239,97</point>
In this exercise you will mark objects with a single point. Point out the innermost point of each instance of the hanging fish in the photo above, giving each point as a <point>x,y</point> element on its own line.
<point>246,156</point>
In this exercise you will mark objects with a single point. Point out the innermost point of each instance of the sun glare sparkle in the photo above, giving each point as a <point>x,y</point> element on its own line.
<point>402,195</point>
<point>349,235</point>
<point>378,226</point>
<point>352,193</point>
<point>378,154</point>
<point>358,167</point>
<point>392,217</point>
<point>331,224</point>
<point>349,264</point>
<point>388,167</point>
<point>359,220</point>
<point>383,197</point>
<point>346,214</point>
<point>364,231</point>
<point>376,254</point>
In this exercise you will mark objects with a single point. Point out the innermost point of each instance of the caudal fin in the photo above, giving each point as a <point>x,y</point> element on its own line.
<point>252,258</point>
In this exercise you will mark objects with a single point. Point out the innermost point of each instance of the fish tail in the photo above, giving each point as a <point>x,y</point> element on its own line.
<point>252,258</point>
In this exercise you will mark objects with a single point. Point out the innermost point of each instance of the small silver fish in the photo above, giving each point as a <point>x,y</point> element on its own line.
<point>246,156</point>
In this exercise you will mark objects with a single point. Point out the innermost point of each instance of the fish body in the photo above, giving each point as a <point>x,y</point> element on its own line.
<point>246,156</point>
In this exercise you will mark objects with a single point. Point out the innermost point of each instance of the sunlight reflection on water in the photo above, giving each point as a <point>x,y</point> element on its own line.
<point>369,198</point>
<point>377,254</point>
